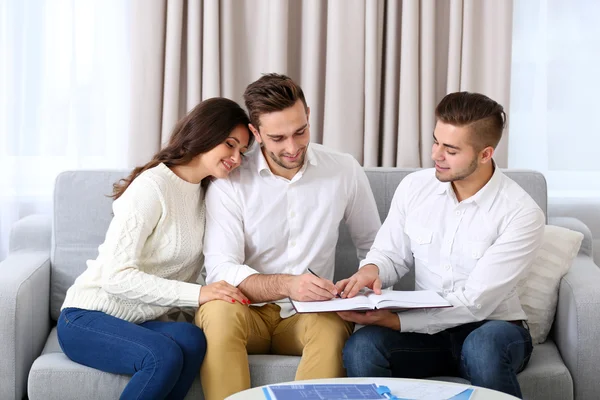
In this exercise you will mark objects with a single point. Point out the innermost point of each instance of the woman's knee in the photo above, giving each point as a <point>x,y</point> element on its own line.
<point>191,339</point>
<point>163,354</point>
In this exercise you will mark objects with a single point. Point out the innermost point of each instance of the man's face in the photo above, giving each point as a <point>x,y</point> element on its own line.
<point>284,136</point>
<point>454,155</point>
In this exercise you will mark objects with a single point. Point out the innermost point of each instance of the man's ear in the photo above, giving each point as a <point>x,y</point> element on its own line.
<point>487,154</point>
<point>255,133</point>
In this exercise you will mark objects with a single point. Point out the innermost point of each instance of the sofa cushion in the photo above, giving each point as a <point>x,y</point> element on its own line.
<point>54,376</point>
<point>538,291</point>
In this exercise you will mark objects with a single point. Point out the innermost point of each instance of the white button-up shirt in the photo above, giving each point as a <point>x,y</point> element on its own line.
<point>472,252</point>
<point>258,222</point>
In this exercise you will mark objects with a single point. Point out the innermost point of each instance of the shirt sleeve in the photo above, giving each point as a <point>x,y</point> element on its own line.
<point>495,275</point>
<point>224,236</point>
<point>391,250</point>
<point>136,214</point>
<point>361,215</point>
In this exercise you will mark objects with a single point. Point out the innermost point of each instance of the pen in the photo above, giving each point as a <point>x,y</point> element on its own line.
<point>312,272</point>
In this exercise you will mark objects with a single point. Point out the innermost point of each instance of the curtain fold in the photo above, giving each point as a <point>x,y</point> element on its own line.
<point>372,71</point>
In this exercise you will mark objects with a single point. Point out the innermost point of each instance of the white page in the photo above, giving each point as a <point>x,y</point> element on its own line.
<point>360,302</point>
<point>421,390</point>
<point>408,299</point>
<point>367,300</point>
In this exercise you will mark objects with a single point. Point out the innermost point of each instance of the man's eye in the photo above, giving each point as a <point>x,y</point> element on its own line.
<point>229,145</point>
<point>451,153</point>
<point>276,140</point>
<point>300,133</point>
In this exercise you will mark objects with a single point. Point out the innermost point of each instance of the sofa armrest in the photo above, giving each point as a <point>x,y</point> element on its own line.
<point>576,328</point>
<point>576,225</point>
<point>25,311</point>
<point>33,232</point>
<point>24,302</point>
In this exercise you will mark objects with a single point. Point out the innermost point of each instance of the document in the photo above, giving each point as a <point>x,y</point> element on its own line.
<point>401,390</point>
<point>393,300</point>
<point>323,392</point>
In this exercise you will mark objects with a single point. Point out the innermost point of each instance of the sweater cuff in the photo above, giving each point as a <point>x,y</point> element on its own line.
<point>189,295</point>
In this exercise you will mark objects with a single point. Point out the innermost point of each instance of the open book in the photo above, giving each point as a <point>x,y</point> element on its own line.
<point>388,300</point>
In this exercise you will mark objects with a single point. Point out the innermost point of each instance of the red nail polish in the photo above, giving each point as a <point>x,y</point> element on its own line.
<point>232,300</point>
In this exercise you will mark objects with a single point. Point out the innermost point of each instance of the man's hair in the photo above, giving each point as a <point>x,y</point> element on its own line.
<point>485,117</point>
<point>270,93</point>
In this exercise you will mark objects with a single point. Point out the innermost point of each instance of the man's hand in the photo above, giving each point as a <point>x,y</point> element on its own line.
<point>383,318</point>
<point>367,276</point>
<point>307,287</point>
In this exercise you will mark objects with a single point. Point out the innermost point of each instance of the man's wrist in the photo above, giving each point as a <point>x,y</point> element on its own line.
<point>392,321</point>
<point>370,268</point>
<point>285,285</point>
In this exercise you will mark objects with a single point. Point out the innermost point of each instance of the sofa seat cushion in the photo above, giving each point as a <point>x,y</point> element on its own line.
<point>54,376</point>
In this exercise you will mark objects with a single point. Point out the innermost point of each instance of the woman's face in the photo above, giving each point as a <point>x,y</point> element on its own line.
<point>227,156</point>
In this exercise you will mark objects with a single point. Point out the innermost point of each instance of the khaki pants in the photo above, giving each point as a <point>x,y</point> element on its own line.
<point>233,331</point>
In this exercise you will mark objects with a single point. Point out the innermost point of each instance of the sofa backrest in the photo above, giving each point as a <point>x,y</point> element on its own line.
<point>82,213</point>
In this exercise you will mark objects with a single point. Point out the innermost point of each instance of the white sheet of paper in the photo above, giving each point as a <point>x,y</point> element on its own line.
<point>428,390</point>
<point>367,301</point>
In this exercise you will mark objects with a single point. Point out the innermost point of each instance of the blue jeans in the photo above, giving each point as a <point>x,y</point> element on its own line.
<point>163,357</point>
<point>487,353</point>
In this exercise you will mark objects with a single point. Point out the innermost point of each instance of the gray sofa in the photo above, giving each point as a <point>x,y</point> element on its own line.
<point>45,256</point>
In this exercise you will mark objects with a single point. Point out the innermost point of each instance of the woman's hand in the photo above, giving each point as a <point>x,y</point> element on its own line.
<point>222,291</point>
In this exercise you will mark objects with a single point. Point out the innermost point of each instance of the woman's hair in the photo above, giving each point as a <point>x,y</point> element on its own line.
<point>201,130</point>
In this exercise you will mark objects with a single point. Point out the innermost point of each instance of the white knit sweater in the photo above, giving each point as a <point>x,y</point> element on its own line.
<point>152,254</point>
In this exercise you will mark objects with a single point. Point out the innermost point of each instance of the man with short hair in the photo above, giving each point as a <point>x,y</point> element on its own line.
<point>275,217</point>
<point>471,233</point>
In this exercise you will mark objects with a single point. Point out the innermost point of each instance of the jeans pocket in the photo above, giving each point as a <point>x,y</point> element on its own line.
<point>70,315</point>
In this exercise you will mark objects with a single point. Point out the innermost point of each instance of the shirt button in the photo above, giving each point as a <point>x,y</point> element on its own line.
<point>457,212</point>
<point>447,266</point>
<point>292,244</point>
<point>292,214</point>
<point>478,306</point>
<point>446,291</point>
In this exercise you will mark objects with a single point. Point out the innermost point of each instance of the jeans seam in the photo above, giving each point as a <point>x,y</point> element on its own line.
<point>389,353</point>
<point>509,345</point>
<point>125,339</point>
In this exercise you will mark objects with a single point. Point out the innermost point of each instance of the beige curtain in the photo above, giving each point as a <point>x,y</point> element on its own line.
<point>372,70</point>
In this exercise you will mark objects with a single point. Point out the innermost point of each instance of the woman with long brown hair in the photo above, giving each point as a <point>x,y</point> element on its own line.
<point>151,258</point>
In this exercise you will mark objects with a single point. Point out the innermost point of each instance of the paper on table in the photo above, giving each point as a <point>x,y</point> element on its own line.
<point>405,390</point>
<point>425,390</point>
<point>331,391</point>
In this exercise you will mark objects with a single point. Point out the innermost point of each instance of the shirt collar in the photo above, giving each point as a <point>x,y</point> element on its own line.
<point>486,195</point>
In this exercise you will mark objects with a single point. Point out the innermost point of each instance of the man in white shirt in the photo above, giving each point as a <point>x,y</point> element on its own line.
<point>471,234</point>
<point>275,217</point>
